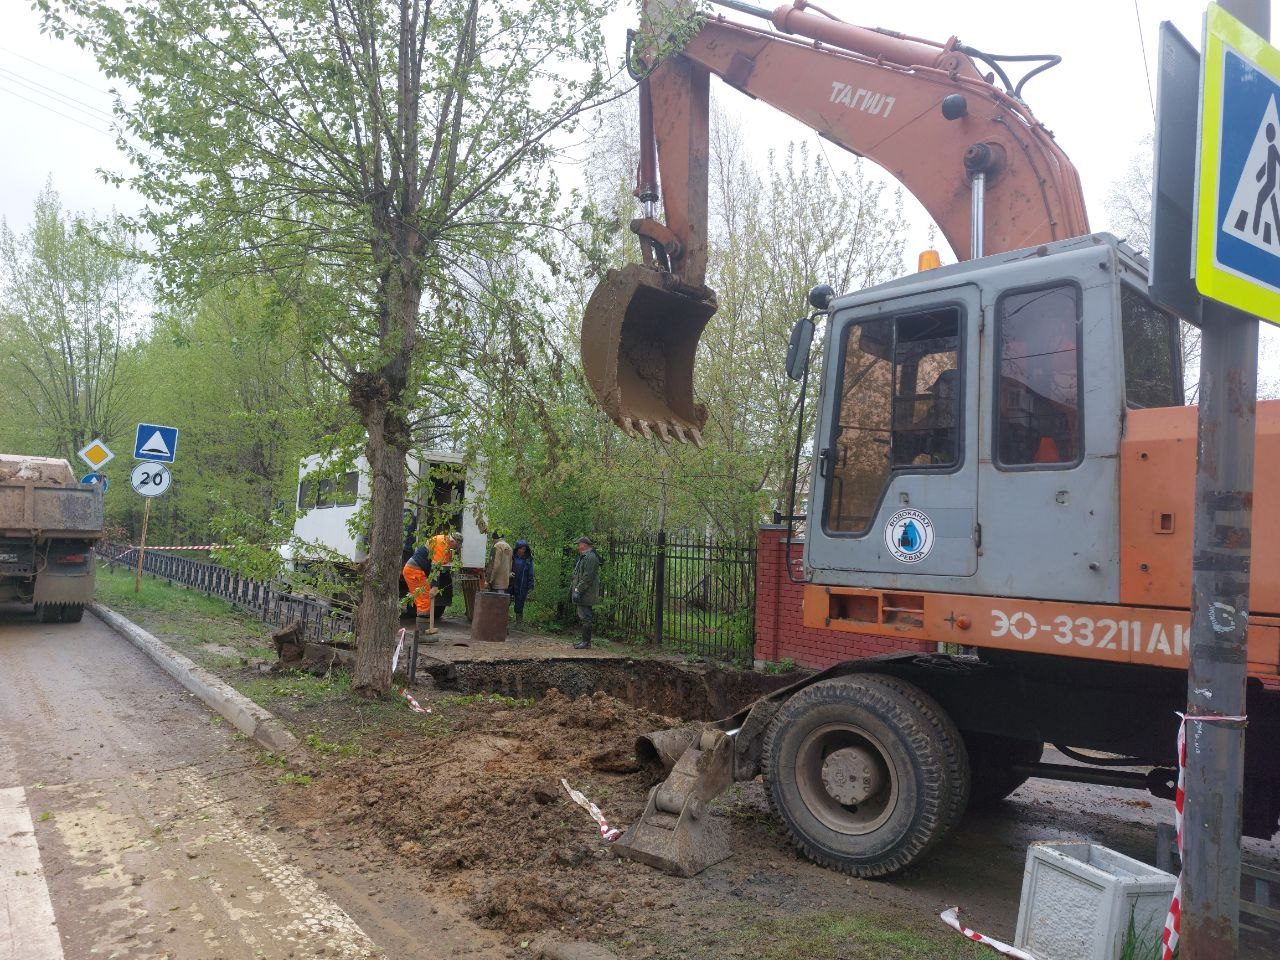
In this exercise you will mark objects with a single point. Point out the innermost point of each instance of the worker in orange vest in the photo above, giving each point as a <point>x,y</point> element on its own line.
<point>429,577</point>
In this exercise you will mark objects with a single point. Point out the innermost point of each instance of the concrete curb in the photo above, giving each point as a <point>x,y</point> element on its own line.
<point>243,714</point>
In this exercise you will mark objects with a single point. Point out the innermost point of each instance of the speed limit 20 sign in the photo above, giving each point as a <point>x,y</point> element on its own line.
<point>150,479</point>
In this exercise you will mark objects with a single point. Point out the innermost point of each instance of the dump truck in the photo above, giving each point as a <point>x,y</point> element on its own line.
<point>1003,465</point>
<point>49,522</point>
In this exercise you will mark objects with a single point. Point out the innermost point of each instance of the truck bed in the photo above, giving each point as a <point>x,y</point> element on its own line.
<point>37,509</point>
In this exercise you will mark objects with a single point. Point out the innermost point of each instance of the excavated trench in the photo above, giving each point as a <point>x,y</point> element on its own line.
<point>689,692</point>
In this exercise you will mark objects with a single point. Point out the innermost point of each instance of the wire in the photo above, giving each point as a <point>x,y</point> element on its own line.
<point>1146,67</point>
<point>14,53</point>
<point>36,87</point>
<point>65,116</point>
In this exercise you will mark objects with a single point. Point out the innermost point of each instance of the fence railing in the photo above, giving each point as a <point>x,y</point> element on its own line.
<point>321,621</point>
<point>690,594</point>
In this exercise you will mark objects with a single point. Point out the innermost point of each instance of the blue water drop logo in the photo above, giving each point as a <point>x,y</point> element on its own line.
<point>910,540</point>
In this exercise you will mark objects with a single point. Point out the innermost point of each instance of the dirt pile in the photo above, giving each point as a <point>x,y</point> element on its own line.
<point>482,809</point>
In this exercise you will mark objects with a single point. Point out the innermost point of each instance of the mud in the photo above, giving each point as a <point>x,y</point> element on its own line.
<point>481,810</point>
<point>669,689</point>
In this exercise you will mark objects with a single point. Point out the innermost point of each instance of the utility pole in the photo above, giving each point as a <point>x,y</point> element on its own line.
<point>1219,614</point>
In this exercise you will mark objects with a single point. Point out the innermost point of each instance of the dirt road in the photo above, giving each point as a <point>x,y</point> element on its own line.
<point>131,825</point>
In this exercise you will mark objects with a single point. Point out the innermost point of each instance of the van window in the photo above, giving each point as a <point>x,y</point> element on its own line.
<point>347,494</point>
<point>898,410</point>
<point>1038,390</point>
<point>306,494</point>
<point>1152,353</point>
<point>315,493</point>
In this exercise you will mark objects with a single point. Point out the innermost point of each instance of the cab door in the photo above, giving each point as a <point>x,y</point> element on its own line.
<point>895,491</point>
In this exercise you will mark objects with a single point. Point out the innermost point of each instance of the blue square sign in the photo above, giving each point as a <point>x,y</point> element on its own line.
<point>155,442</point>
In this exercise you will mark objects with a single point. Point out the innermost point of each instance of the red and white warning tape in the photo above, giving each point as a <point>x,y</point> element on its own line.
<point>197,546</point>
<point>1173,922</point>
<point>395,657</point>
<point>414,705</point>
<point>607,833</point>
<point>951,918</point>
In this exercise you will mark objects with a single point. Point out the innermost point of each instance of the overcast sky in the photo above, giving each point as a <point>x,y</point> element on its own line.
<point>53,100</point>
<point>54,103</point>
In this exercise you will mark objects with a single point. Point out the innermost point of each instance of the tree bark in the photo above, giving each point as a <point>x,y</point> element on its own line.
<point>378,616</point>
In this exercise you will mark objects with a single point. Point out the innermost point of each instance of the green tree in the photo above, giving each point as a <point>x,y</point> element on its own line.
<point>363,152</point>
<point>232,373</point>
<point>71,303</point>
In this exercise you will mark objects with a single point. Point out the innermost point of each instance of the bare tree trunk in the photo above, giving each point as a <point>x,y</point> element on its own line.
<point>378,616</point>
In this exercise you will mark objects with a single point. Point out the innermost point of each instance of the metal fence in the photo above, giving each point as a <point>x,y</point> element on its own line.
<point>321,621</point>
<point>684,593</point>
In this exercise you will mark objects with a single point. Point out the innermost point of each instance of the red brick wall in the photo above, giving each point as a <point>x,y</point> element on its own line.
<point>780,631</point>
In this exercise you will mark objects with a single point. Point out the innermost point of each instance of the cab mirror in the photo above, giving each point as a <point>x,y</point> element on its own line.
<point>798,348</point>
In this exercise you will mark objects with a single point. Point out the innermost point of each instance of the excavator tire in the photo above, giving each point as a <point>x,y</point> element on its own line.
<point>48,613</point>
<point>990,760</point>
<point>866,772</point>
<point>73,613</point>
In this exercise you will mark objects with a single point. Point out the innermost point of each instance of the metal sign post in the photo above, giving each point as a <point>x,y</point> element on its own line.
<point>1220,556</point>
<point>142,547</point>
<point>151,480</point>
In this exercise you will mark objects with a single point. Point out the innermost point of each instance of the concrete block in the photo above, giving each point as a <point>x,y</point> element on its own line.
<point>1078,898</point>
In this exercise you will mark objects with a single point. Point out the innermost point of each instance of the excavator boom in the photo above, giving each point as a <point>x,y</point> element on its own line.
<point>973,154</point>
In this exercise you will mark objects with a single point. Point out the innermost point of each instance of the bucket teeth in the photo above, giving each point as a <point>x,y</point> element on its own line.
<point>697,437</point>
<point>663,432</point>
<point>680,432</point>
<point>628,428</point>
<point>644,428</point>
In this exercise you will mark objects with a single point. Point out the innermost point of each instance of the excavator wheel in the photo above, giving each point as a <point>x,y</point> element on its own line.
<point>640,334</point>
<point>866,772</point>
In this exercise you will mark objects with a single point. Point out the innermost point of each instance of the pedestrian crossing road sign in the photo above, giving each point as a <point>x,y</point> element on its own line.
<point>1237,234</point>
<point>155,443</point>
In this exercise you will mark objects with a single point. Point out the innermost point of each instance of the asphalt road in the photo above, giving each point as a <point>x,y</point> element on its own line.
<point>131,825</point>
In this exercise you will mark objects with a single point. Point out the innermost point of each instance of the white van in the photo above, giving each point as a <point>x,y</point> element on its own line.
<point>326,506</point>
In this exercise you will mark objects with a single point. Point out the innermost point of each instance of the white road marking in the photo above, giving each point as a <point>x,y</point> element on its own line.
<point>27,927</point>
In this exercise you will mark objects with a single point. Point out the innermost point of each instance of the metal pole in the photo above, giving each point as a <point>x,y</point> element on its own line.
<point>142,546</point>
<point>1219,615</point>
<point>659,587</point>
<point>977,213</point>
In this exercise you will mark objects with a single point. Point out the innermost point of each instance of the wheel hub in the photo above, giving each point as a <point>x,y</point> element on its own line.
<point>852,774</point>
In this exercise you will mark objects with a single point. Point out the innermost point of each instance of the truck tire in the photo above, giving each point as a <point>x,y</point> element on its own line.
<point>866,773</point>
<point>990,759</point>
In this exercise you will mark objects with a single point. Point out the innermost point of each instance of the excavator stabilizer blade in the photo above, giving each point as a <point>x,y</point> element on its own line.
<point>676,833</point>
<point>640,336</point>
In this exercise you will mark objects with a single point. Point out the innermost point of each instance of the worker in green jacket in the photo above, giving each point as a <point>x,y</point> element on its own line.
<point>584,588</point>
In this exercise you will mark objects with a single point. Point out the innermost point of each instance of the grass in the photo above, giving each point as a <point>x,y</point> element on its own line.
<point>186,618</point>
<point>840,936</point>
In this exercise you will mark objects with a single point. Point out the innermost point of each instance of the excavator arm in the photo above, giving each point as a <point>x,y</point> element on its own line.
<point>972,153</point>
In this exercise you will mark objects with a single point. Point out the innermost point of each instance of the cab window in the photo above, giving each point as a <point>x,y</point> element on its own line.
<point>898,410</point>
<point>1152,353</point>
<point>1038,421</point>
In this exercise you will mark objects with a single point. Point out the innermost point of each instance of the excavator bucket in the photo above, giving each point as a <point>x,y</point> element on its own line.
<point>640,336</point>
<point>676,834</point>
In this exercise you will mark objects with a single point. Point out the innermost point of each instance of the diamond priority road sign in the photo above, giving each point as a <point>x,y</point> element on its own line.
<point>1237,235</point>
<point>95,454</point>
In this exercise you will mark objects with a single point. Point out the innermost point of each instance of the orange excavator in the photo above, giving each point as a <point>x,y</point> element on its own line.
<point>945,119</point>
<point>1003,465</point>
